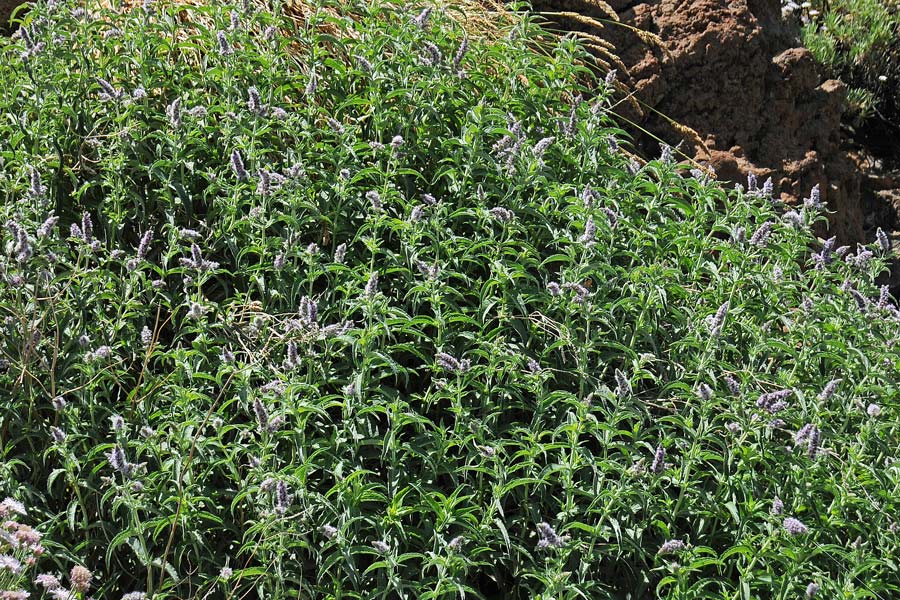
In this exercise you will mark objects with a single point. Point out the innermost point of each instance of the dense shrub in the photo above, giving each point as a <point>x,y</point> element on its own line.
<point>360,308</point>
<point>859,42</point>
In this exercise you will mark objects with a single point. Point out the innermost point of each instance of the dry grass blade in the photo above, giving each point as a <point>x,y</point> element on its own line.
<point>606,44</point>
<point>591,6</point>
<point>573,16</point>
<point>687,132</point>
<point>482,19</point>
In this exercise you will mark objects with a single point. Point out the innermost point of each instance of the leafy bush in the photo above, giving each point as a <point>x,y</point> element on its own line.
<point>360,308</point>
<point>857,41</point>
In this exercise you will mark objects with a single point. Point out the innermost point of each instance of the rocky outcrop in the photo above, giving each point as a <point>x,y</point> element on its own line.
<point>733,72</point>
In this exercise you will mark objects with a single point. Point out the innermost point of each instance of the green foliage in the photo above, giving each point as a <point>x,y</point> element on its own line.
<point>293,355</point>
<point>857,40</point>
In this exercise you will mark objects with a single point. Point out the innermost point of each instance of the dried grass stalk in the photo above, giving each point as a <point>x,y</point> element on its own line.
<point>577,17</point>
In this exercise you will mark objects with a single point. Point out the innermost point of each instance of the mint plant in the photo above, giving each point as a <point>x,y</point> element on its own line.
<point>364,305</point>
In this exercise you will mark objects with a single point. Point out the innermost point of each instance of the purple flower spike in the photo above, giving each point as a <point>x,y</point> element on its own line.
<point>671,547</point>
<point>794,526</point>
<point>659,460</point>
<point>548,538</point>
